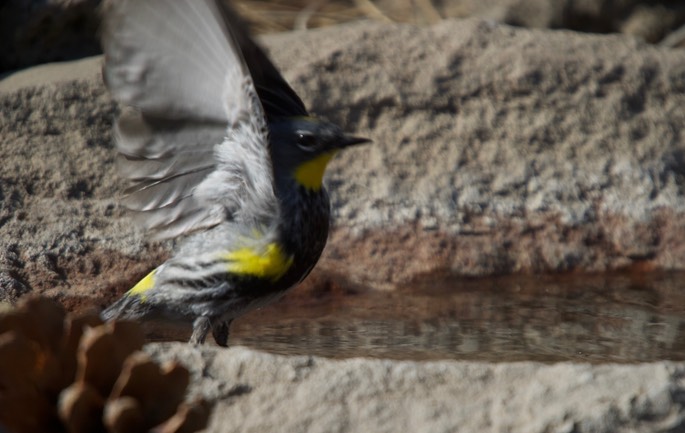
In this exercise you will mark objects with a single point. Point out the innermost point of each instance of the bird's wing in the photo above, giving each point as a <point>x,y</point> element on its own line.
<point>194,140</point>
<point>276,96</point>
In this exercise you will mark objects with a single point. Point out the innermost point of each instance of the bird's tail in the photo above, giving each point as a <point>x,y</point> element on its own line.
<point>128,307</point>
<point>135,303</point>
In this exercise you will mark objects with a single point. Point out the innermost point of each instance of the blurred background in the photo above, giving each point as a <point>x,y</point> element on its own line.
<point>41,31</point>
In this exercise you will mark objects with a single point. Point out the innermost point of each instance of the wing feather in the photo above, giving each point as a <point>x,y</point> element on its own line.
<point>277,97</point>
<point>171,58</point>
<point>194,140</point>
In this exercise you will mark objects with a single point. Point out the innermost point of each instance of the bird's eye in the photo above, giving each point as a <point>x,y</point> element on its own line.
<point>306,141</point>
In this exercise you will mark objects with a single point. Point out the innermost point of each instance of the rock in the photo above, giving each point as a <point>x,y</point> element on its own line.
<point>268,393</point>
<point>497,150</point>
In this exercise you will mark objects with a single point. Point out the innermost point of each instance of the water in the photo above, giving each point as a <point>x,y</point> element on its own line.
<point>592,318</point>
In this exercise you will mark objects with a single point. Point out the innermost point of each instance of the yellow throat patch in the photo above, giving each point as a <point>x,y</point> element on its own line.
<point>143,286</point>
<point>309,174</point>
<point>271,263</point>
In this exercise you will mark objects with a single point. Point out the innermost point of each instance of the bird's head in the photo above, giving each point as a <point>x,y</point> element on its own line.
<point>302,148</point>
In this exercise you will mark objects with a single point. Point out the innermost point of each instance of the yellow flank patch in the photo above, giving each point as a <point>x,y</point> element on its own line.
<point>310,173</point>
<point>270,263</point>
<point>257,234</point>
<point>143,285</point>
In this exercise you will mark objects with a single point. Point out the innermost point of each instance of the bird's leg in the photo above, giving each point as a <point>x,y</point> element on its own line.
<point>201,327</point>
<point>220,330</point>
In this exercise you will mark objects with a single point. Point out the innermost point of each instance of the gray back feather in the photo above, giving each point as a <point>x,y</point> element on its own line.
<point>195,141</point>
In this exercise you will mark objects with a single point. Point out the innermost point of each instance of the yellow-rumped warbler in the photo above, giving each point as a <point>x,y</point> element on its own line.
<point>220,149</point>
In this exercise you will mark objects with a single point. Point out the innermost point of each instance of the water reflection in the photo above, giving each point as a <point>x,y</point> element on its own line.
<point>601,318</point>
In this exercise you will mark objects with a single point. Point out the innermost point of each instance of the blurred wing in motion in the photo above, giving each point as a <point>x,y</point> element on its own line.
<point>194,140</point>
<point>276,96</point>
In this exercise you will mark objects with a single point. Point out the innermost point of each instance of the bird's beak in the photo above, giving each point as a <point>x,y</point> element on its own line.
<point>349,140</point>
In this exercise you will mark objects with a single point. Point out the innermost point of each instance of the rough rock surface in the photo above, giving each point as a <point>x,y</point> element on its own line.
<point>497,150</point>
<point>504,150</point>
<point>258,392</point>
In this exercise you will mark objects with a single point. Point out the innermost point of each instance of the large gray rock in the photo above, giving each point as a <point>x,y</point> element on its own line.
<point>504,150</point>
<point>496,150</point>
<point>257,392</point>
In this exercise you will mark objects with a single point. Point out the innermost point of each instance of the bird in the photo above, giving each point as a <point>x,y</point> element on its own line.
<point>222,156</point>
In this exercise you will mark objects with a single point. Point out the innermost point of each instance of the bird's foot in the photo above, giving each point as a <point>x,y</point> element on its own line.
<point>201,327</point>
<point>220,332</point>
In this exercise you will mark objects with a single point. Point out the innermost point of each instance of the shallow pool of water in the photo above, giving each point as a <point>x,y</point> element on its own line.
<point>594,318</point>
